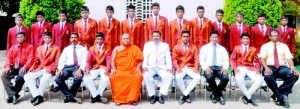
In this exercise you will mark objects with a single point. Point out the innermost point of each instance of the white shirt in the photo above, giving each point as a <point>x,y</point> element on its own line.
<point>185,46</point>
<point>154,18</point>
<point>131,20</point>
<point>206,53</point>
<point>100,47</point>
<point>66,58</point>
<point>41,23</point>
<point>87,22</point>
<point>163,56</point>
<point>247,46</point>
<point>47,46</point>
<point>283,51</point>
<point>200,20</point>
<point>220,25</point>
<point>240,26</point>
<point>62,24</point>
<point>282,27</point>
<point>180,22</point>
<point>265,28</point>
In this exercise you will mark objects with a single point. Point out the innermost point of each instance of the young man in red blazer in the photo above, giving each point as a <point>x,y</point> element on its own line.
<point>38,29</point>
<point>222,28</point>
<point>287,34</point>
<point>12,32</point>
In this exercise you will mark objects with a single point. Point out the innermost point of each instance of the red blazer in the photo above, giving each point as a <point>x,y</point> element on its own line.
<point>175,32</point>
<point>258,38</point>
<point>162,28</point>
<point>37,37</point>
<point>47,60</point>
<point>250,60</point>
<point>200,35</point>
<point>12,36</point>
<point>136,33</point>
<point>112,33</point>
<point>96,59</point>
<point>235,34</point>
<point>187,58</point>
<point>287,38</point>
<point>86,37</point>
<point>62,38</point>
<point>223,35</point>
<point>26,58</point>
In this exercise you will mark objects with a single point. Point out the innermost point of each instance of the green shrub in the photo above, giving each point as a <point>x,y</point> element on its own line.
<point>28,8</point>
<point>251,8</point>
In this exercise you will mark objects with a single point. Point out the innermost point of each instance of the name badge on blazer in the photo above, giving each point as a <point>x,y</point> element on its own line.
<point>67,32</point>
<point>289,37</point>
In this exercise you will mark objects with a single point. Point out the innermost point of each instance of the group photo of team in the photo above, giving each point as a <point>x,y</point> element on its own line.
<point>154,57</point>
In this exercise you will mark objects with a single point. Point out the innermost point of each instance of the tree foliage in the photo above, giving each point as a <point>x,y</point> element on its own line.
<point>251,8</point>
<point>10,7</point>
<point>28,8</point>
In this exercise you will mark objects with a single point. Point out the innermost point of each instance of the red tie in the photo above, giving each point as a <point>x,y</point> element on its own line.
<point>180,25</point>
<point>109,21</point>
<point>17,63</point>
<point>75,58</point>
<point>201,23</point>
<point>245,52</point>
<point>262,30</point>
<point>156,22</point>
<point>276,60</point>
<point>85,25</point>
<point>284,30</point>
<point>131,24</point>
<point>46,50</point>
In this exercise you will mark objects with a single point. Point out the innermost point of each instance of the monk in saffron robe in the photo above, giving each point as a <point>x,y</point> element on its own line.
<point>126,77</point>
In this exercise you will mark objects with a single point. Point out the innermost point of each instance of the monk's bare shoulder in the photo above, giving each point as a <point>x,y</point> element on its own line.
<point>118,48</point>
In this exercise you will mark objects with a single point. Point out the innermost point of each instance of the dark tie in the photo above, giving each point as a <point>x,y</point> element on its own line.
<point>75,58</point>
<point>240,28</point>
<point>131,23</point>
<point>109,21</point>
<point>276,60</point>
<point>262,30</point>
<point>85,25</point>
<point>17,63</point>
<point>284,30</point>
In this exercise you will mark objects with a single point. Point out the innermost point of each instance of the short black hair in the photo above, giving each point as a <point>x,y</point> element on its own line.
<point>220,11</point>
<point>63,12</point>
<point>155,4</point>
<point>100,34</point>
<point>214,32</point>
<point>21,33</point>
<point>40,13</point>
<point>239,14</point>
<point>84,8</point>
<point>48,33</point>
<point>74,33</point>
<point>284,17</point>
<point>185,31</point>
<point>274,31</point>
<point>179,7</point>
<point>130,7</point>
<point>245,34</point>
<point>19,16</point>
<point>261,15</point>
<point>156,31</point>
<point>200,7</point>
<point>109,7</point>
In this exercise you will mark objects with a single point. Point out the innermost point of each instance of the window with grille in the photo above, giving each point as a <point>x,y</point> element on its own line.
<point>143,8</point>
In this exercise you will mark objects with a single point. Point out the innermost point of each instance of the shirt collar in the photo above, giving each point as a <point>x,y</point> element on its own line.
<point>47,45</point>
<point>180,20</point>
<point>185,44</point>
<point>245,46</point>
<point>239,24</point>
<point>131,19</point>
<point>284,26</point>
<point>264,25</point>
<point>87,20</point>
<point>99,46</point>
<point>211,44</point>
<point>63,22</point>
<point>109,19</point>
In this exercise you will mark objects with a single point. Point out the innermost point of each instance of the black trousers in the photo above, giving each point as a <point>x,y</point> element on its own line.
<point>8,86</point>
<point>285,74</point>
<point>217,73</point>
<point>68,71</point>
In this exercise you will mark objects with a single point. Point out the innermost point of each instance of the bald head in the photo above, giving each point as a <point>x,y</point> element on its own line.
<point>125,39</point>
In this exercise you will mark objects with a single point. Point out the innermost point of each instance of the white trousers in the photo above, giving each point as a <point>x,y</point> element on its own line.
<point>256,78</point>
<point>89,81</point>
<point>180,82</point>
<point>165,83</point>
<point>30,80</point>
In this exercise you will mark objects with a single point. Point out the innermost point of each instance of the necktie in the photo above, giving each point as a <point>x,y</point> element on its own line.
<point>62,26</point>
<point>180,25</point>
<point>17,63</point>
<point>262,30</point>
<point>156,21</point>
<point>131,23</point>
<point>201,23</point>
<point>85,25</point>
<point>185,47</point>
<point>75,58</point>
<point>46,49</point>
<point>240,28</point>
<point>276,60</point>
<point>245,51</point>
<point>220,26</point>
<point>284,30</point>
<point>214,55</point>
<point>40,26</point>
<point>100,49</point>
<point>109,21</point>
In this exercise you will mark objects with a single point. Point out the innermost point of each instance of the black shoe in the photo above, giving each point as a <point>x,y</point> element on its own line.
<point>285,102</point>
<point>182,99</point>
<point>52,88</point>
<point>252,101</point>
<point>245,100</point>
<point>193,91</point>
<point>95,99</point>
<point>265,88</point>
<point>291,91</point>
<point>161,99</point>
<point>9,100</point>
<point>173,89</point>
<point>188,99</point>
<point>15,98</point>
<point>34,99</point>
<point>74,100</point>
<point>213,99</point>
<point>103,99</point>
<point>274,97</point>
<point>152,99</point>
<point>208,88</point>
<point>157,88</point>
<point>39,100</point>
<point>26,89</point>
<point>222,100</point>
<point>232,87</point>
<point>56,89</point>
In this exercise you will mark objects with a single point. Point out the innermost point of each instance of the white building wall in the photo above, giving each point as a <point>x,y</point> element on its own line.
<point>97,8</point>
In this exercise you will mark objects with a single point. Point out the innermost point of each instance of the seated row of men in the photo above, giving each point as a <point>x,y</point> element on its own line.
<point>127,66</point>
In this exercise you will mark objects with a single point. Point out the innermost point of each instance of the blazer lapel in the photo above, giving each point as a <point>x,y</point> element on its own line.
<point>64,30</point>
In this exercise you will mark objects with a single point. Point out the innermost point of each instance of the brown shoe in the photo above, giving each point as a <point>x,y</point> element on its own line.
<point>117,104</point>
<point>134,103</point>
